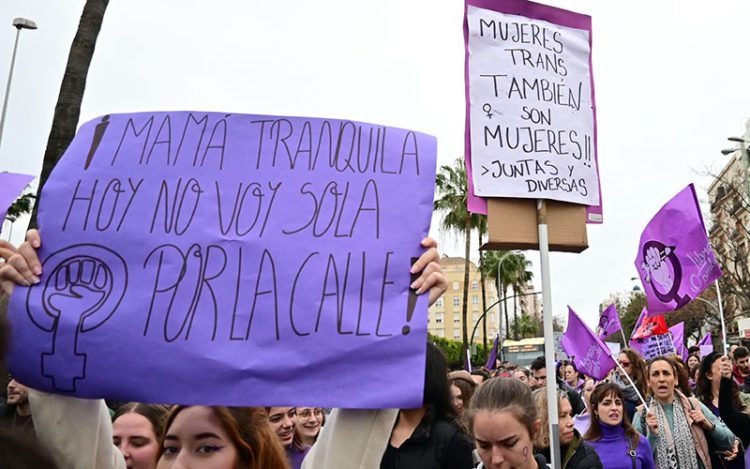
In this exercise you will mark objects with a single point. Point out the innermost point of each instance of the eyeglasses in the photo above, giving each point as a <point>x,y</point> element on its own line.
<point>307,413</point>
<point>623,363</point>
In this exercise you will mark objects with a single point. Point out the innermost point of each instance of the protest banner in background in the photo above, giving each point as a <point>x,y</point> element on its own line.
<point>656,345</point>
<point>706,344</point>
<point>609,322</point>
<point>11,186</point>
<point>589,353</point>
<point>530,103</point>
<point>675,260</point>
<point>678,339</point>
<point>230,259</point>
<point>648,326</point>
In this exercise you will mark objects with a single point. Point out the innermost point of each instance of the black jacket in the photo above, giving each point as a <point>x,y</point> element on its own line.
<point>435,444</point>
<point>577,455</point>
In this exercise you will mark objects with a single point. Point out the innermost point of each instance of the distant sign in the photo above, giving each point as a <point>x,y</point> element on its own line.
<point>211,258</point>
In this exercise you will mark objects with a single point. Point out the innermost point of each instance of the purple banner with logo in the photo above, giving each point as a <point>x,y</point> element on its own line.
<point>11,186</point>
<point>609,322</point>
<point>675,260</point>
<point>589,353</point>
<point>231,259</point>
<point>706,344</point>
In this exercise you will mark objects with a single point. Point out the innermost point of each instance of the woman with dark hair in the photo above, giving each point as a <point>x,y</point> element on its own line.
<point>283,422</point>
<point>610,433</point>
<point>678,427</point>
<point>575,453</point>
<point>693,362</point>
<point>135,431</point>
<point>462,388</point>
<point>633,364</point>
<point>428,437</point>
<point>707,390</point>
<point>573,378</point>
<point>504,421</point>
<point>219,437</point>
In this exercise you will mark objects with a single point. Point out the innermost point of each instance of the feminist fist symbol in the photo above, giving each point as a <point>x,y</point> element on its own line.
<point>656,266</point>
<point>84,289</point>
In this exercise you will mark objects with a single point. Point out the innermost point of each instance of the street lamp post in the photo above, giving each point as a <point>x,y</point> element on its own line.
<point>19,24</point>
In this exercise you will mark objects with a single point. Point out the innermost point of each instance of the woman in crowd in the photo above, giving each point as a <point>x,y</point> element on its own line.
<point>135,431</point>
<point>221,438</point>
<point>522,375</point>
<point>708,391</point>
<point>573,378</point>
<point>633,364</point>
<point>574,452</point>
<point>678,427</point>
<point>693,362</point>
<point>283,421</point>
<point>582,421</point>
<point>462,388</point>
<point>504,421</point>
<point>428,437</point>
<point>610,433</point>
<point>309,422</point>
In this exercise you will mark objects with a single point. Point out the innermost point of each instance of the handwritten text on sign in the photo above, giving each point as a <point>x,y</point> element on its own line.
<point>231,259</point>
<point>531,112</point>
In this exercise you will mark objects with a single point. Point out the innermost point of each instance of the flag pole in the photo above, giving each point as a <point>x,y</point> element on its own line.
<point>635,388</point>
<point>549,336</point>
<point>624,340</point>
<point>721,316</point>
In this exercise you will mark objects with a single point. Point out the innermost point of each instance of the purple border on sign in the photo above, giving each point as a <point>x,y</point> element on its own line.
<point>536,11</point>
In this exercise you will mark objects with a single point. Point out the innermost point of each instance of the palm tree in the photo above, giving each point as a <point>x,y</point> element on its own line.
<point>480,223</point>
<point>451,185</point>
<point>519,277</point>
<point>68,108</point>
<point>488,267</point>
<point>524,327</point>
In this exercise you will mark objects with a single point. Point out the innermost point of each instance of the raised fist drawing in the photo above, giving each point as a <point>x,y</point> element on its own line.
<point>656,266</point>
<point>80,287</point>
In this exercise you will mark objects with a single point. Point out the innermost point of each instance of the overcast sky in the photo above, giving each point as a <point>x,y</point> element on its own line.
<point>671,80</point>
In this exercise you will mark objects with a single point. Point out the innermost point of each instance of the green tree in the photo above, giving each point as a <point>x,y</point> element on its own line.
<point>450,201</point>
<point>22,205</point>
<point>524,327</point>
<point>68,108</point>
<point>519,277</point>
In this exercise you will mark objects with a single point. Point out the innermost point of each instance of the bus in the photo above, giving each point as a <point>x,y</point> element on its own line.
<point>523,352</point>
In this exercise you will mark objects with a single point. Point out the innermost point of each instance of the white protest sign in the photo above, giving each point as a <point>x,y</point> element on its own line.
<point>658,345</point>
<point>531,109</point>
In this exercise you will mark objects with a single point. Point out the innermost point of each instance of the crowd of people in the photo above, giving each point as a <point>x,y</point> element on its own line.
<point>664,413</point>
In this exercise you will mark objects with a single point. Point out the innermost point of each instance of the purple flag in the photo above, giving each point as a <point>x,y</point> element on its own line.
<point>706,344</point>
<point>187,252</point>
<point>609,322</point>
<point>11,186</point>
<point>589,353</point>
<point>493,354</point>
<point>678,339</point>
<point>675,260</point>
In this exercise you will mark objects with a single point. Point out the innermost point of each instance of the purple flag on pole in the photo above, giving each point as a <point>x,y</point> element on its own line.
<point>678,339</point>
<point>609,322</point>
<point>11,185</point>
<point>493,354</point>
<point>706,344</point>
<point>675,260</point>
<point>589,353</point>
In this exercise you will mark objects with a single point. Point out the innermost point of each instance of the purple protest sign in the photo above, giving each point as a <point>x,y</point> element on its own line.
<point>678,339</point>
<point>589,353</point>
<point>492,359</point>
<point>609,322</point>
<point>11,186</point>
<point>230,259</point>
<point>675,260</point>
<point>496,66</point>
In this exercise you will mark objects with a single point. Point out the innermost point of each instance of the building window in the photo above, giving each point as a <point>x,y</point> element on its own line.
<point>492,317</point>
<point>474,285</point>
<point>440,333</point>
<point>456,301</point>
<point>439,303</point>
<point>456,334</point>
<point>439,318</point>
<point>475,299</point>
<point>455,285</point>
<point>475,317</point>
<point>456,318</point>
